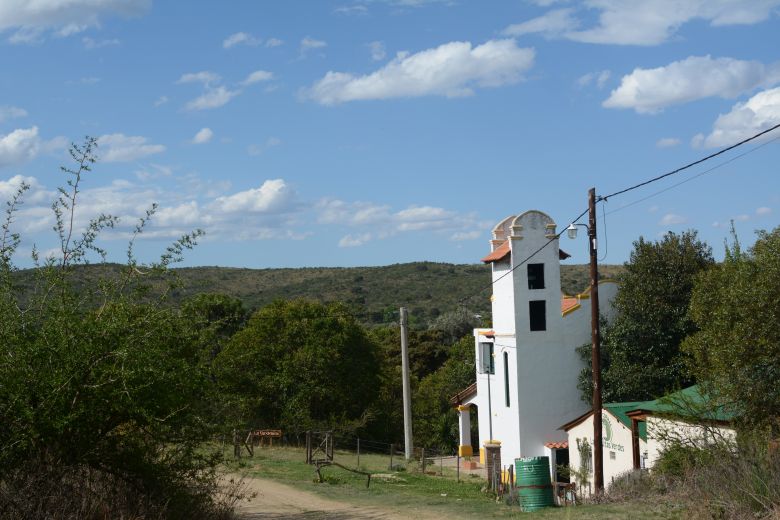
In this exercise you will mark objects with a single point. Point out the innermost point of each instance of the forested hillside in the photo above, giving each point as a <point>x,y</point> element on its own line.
<point>373,294</point>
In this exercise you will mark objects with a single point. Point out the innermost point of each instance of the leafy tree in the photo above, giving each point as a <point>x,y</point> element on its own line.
<point>300,365</point>
<point>641,348</point>
<point>109,390</point>
<point>736,351</point>
<point>215,318</point>
<point>435,420</point>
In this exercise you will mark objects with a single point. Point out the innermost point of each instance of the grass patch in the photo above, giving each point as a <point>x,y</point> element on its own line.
<point>410,489</point>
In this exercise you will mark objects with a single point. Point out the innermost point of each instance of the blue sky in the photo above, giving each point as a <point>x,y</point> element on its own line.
<point>371,132</point>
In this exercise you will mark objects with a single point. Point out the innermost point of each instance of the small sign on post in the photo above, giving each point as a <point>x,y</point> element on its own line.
<point>261,435</point>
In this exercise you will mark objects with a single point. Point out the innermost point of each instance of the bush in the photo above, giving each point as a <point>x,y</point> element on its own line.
<point>103,405</point>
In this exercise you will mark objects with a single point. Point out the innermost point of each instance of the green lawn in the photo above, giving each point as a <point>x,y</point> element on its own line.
<point>410,488</point>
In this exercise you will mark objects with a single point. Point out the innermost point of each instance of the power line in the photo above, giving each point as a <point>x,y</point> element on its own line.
<point>526,259</point>
<point>689,165</point>
<point>710,170</point>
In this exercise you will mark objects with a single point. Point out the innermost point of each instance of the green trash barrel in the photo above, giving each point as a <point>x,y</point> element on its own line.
<point>533,483</point>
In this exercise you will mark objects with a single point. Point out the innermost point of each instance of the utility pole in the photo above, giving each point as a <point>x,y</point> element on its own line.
<point>598,449</point>
<point>407,390</point>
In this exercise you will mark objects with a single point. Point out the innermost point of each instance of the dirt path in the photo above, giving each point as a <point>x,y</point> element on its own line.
<point>282,502</point>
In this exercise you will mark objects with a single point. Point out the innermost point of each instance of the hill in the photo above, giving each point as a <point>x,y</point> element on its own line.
<point>427,289</point>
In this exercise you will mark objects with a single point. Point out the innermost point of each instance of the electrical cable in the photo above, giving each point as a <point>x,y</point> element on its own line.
<point>689,165</point>
<point>606,238</point>
<point>526,259</point>
<point>709,170</point>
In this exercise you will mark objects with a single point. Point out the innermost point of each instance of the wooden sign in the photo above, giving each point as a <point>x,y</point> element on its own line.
<point>268,433</point>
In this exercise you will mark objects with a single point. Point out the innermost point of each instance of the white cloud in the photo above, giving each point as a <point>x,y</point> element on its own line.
<point>380,221</point>
<point>460,236</point>
<point>696,77</point>
<point>671,219</point>
<point>551,24</point>
<point>273,42</point>
<point>9,112</point>
<point>758,113</point>
<point>378,52</point>
<point>32,19</point>
<point>599,78</point>
<point>20,146</point>
<point>354,240</point>
<point>348,10</point>
<point>204,77</point>
<point>240,38</point>
<point>651,22</point>
<point>641,22</point>
<point>763,211</point>
<point>742,218</point>
<point>667,142</point>
<point>124,148</point>
<point>308,44</point>
<point>274,196</point>
<point>90,43</point>
<point>203,136</point>
<point>259,149</point>
<point>213,98</point>
<point>161,101</point>
<point>451,70</point>
<point>258,76</point>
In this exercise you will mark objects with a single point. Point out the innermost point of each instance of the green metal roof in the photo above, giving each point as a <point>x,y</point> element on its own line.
<point>619,410</point>
<point>690,402</point>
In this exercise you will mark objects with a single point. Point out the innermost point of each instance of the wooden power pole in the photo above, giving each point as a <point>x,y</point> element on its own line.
<point>598,448</point>
<point>407,396</point>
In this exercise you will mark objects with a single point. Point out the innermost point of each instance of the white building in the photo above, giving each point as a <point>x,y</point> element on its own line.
<point>634,434</point>
<point>624,444</point>
<point>527,365</point>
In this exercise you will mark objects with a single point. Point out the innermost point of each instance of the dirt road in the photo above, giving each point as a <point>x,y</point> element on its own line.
<point>282,502</point>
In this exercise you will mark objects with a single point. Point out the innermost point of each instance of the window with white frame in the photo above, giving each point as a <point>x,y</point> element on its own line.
<point>485,361</point>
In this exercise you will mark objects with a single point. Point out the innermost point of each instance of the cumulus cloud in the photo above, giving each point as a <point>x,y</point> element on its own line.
<point>271,197</point>
<point>640,22</point>
<point>203,136</point>
<point>257,76</point>
<point>204,77</point>
<point>672,219</point>
<point>273,42</point>
<point>696,77</point>
<point>379,221</point>
<point>124,148</point>
<point>32,20</point>
<point>90,43</point>
<point>214,97</point>
<point>9,112</point>
<point>667,142</point>
<point>599,78</point>
<point>763,211</point>
<point>452,69</point>
<point>308,44</point>
<point>161,101</point>
<point>259,149</point>
<point>377,49</point>
<point>354,240</point>
<point>19,146</point>
<point>240,38</point>
<point>551,24</point>
<point>758,113</point>
<point>215,94</point>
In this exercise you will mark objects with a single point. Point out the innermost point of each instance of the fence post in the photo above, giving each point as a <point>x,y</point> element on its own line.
<point>308,447</point>
<point>457,465</point>
<point>358,452</point>
<point>422,459</point>
<point>441,465</point>
<point>392,452</point>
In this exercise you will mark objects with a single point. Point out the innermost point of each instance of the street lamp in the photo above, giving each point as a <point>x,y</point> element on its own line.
<point>598,449</point>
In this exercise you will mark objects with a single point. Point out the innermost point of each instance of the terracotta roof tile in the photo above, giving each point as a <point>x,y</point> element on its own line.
<point>556,445</point>
<point>503,250</point>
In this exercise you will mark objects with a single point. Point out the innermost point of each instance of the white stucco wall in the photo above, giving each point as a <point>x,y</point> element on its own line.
<point>661,432</point>
<point>618,443</point>
<point>543,365</point>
